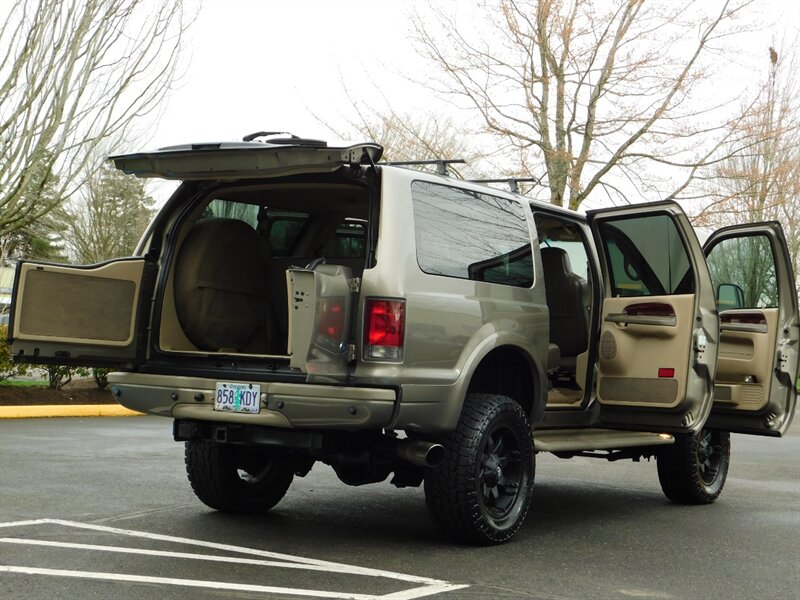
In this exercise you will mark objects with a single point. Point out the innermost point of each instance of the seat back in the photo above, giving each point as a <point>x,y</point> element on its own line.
<point>565,293</point>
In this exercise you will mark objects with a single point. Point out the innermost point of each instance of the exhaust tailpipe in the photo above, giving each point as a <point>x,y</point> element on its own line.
<point>420,452</point>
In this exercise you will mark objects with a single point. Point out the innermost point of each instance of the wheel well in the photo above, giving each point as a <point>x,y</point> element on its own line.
<point>507,371</point>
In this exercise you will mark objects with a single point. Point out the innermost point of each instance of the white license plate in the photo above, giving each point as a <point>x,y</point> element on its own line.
<point>237,397</point>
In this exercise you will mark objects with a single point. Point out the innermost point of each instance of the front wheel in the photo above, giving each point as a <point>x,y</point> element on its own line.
<point>481,491</point>
<point>237,478</point>
<point>693,470</point>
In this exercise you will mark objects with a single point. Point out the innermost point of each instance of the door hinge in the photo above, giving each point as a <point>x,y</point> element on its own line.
<point>354,285</point>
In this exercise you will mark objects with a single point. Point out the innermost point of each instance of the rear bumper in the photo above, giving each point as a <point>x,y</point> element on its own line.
<point>283,405</point>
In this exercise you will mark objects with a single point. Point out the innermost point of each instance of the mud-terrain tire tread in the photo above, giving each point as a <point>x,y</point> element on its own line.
<point>451,493</point>
<point>212,471</point>
<point>678,471</point>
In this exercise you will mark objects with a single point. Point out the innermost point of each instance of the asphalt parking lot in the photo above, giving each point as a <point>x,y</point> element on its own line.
<point>100,508</point>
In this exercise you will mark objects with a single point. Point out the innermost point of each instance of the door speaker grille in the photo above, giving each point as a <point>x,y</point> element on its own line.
<point>608,346</point>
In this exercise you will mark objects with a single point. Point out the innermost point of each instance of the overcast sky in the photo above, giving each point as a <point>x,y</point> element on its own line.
<point>275,64</point>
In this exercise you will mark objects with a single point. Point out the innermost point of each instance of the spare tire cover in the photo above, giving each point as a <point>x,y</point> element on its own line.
<point>220,292</point>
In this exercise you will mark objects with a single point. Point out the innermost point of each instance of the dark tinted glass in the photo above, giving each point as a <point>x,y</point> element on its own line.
<point>349,240</point>
<point>284,230</point>
<point>647,257</point>
<point>470,235</point>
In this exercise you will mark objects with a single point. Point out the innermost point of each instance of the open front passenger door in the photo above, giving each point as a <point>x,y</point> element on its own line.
<point>80,315</point>
<point>658,331</point>
<point>755,383</point>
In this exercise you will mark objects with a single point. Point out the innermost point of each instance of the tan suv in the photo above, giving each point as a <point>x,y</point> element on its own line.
<point>294,303</point>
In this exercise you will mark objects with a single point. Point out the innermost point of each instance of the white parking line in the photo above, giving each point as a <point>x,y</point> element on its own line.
<point>217,585</point>
<point>429,586</point>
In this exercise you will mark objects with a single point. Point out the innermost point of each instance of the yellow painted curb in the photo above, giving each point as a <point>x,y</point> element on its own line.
<point>66,410</point>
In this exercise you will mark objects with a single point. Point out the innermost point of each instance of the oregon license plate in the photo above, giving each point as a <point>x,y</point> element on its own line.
<point>237,397</point>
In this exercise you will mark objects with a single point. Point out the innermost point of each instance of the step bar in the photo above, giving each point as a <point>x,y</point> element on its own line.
<point>576,440</point>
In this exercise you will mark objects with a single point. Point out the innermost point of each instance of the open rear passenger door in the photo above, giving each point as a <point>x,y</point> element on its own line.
<point>80,315</point>
<point>756,377</point>
<point>658,329</point>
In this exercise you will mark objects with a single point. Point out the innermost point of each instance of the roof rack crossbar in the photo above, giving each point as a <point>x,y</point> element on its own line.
<point>441,164</point>
<point>513,182</point>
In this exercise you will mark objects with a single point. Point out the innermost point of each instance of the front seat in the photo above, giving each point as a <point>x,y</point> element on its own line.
<point>565,293</point>
<point>220,292</point>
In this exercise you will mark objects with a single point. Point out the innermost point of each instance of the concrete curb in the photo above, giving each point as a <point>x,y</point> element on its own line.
<point>66,410</point>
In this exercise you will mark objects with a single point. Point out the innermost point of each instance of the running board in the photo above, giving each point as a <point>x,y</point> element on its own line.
<point>570,440</point>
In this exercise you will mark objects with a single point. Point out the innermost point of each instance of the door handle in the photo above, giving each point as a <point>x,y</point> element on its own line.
<point>654,320</point>
<point>745,327</point>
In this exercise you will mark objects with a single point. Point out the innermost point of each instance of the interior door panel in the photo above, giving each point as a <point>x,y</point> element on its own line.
<point>744,365</point>
<point>643,350</point>
<point>76,315</point>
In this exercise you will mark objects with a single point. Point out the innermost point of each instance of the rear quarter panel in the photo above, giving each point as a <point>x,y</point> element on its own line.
<point>451,323</point>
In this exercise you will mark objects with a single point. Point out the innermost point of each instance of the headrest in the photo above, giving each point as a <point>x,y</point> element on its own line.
<point>555,260</point>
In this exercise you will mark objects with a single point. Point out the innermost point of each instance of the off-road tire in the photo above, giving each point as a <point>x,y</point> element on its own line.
<point>459,492</point>
<point>693,469</point>
<point>236,478</point>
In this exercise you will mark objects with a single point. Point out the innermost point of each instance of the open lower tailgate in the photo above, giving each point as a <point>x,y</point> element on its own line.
<point>79,315</point>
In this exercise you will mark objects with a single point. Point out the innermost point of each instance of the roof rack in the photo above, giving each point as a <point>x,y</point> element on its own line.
<point>513,182</point>
<point>441,164</point>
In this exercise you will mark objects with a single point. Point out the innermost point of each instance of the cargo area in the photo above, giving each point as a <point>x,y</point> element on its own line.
<point>226,271</point>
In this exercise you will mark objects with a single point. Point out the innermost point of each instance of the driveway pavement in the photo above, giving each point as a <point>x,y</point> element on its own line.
<point>100,508</point>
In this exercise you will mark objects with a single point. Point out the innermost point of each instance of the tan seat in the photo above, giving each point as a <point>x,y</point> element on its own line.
<point>221,296</point>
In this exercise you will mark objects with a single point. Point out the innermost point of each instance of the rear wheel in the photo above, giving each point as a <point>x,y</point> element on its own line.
<point>235,478</point>
<point>481,491</point>
<point>693,470</point>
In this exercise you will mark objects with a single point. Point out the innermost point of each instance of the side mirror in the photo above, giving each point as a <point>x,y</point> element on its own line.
<point>729,295</point>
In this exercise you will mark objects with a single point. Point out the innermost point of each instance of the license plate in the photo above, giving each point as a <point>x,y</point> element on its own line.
<point>238,397</point>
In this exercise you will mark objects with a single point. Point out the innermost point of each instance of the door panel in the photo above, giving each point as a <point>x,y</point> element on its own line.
<point>83,316</point>
<point>754,389</point>
<point>658,334</point>
<point>643,357</point>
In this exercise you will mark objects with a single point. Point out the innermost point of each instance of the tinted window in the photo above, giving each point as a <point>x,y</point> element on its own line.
<point>470,235</point>
<point>743,272</point>
<point>349,241</point>
<point>646,257</point>
<point>283,230</point>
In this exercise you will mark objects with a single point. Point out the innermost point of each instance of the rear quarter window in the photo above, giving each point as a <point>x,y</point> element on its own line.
<point>470,235</point>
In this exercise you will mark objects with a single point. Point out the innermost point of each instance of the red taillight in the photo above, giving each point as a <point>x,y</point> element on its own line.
<point>331,318</point>
<point>384,329</point>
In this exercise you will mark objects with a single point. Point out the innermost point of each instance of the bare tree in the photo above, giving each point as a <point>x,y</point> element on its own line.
<point>761,181</point>
<point>409,137</point>
<point>73,75</point>
<point>106,219</point>
<point>597,92</point>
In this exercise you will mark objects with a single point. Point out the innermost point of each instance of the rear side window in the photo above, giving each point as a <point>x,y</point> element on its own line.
<point>470,235</point>
<point>646,257</point>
